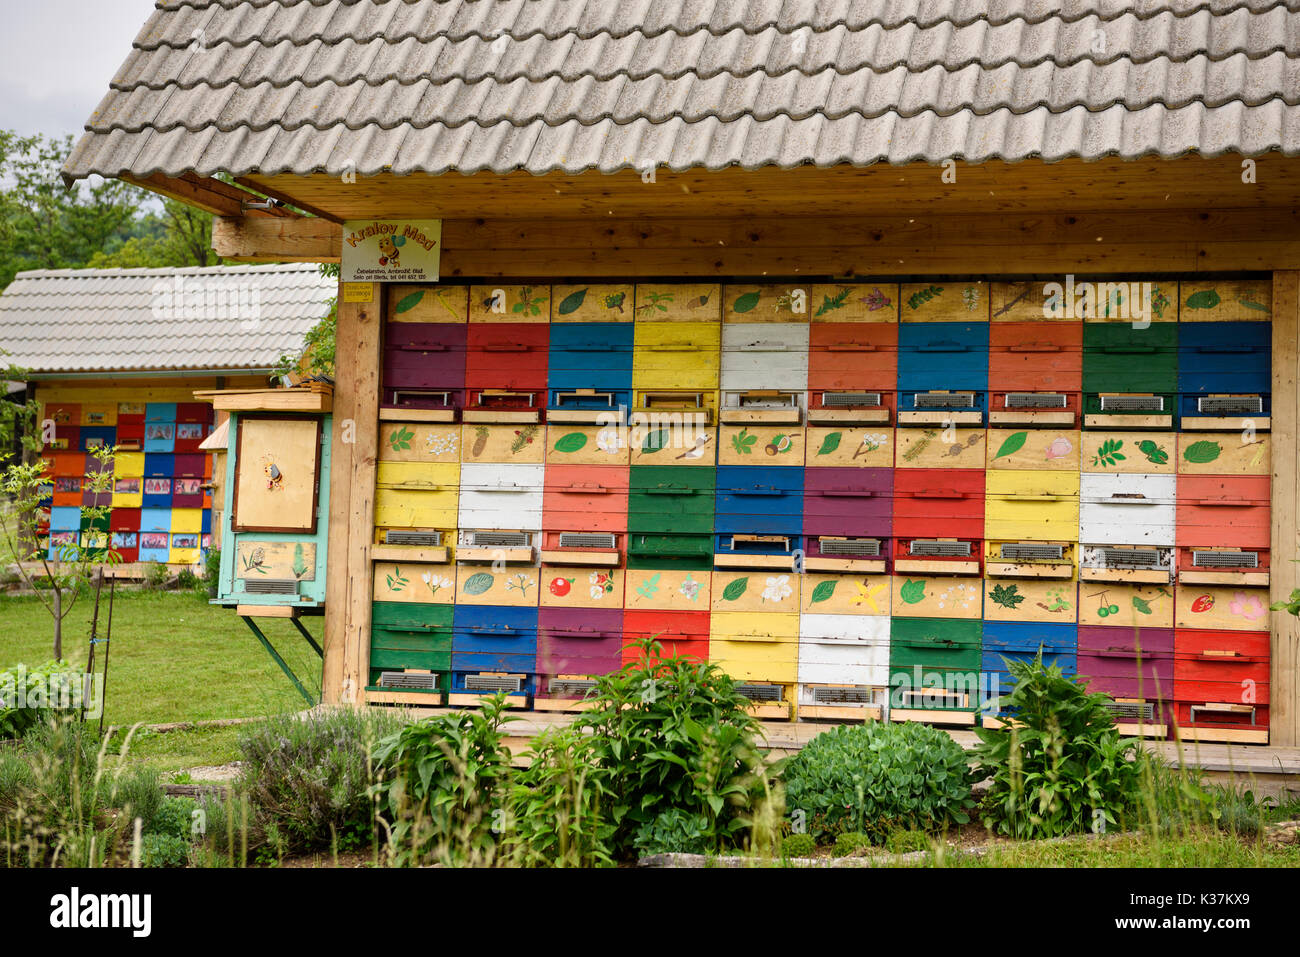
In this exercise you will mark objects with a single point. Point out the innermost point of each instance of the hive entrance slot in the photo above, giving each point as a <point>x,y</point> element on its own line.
<point>853,547</point>
<point>1225,559</point>
<point>413,681</point>
<point>1036,400</point>
<point>509,683</point>
<point>1132,403</point>
<point>944,400</point>
<point>937,548</point>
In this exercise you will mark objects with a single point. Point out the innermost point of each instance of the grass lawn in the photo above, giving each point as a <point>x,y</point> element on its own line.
<point>174,658</point>
<point>1204,848</point>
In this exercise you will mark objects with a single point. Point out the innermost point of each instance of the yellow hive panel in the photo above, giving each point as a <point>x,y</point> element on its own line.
<point>419,442</point>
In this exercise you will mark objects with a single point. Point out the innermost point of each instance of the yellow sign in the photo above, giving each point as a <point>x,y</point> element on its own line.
<point>360,292</point>
<point>391,250</point>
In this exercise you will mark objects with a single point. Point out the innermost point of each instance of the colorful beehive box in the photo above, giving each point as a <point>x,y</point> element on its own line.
<point>843,646</point>
<point>1221,685</point>
<point>1130,353</point>
<point>670,517</point>
<point>1135,666</point>
<point>1224,354</point>
<point>754,636</point>
<point>590,357</point>
<point>853,355</point>
<point>676,359</point>
<point>934,669</point>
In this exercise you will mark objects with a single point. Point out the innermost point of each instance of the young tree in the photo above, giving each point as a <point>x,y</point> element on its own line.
<point>58,580</point>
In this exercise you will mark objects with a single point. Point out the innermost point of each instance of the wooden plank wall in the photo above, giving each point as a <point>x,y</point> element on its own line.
<point>352,498</point>
<point>1284,686</point>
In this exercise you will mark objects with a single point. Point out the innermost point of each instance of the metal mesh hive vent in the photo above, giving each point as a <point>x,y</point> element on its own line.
<point>930,698</point>
<point>1132,710</point>
<point>848,399</point>
<point>587,540</point>
<point>271,586</point>
<point>841,695</point>
<point>404,679</point>
<point>785,400</point>
<point>932,548</point>
<point>944,400</point>
<point>761,692</point>
<point>493,682</point>
<point>1213,559</point>
<point>571,687</point>
<point>499,539</point>
<point>1230,404</point>
<point>575,397</point>
<point>1025,552</point>
<point>1036,400</point>
<point>1132,403</point>
<point>858,547</point>
<point>1130,557</point>
<point>427,539</point>
<point>403,396</point>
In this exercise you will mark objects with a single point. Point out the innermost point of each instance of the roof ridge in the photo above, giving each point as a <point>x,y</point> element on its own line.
<point>1218,8</point>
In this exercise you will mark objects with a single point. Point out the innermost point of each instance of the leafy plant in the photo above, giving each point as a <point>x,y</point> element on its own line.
<point>443,787</point>
<point>875,778</point>
<point>851,842</point>
<point>1108,453</point>
<point>798,845</point>
<point>672,734</point>
<point>397,581</point>
<point>528,304</point>
<point>675,831</point>
<point>922,296</point>
<point>44,689</point>
<point>561,804</point>
<point>1061,767</point>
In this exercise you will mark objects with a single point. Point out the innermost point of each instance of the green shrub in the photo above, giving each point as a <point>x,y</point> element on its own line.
<point>444,787</point>
<point>1063,768</point>
<point>675,831</point>
<point>798,845</point>
<point>164,850</point>
<point>174,818</point>
<point>308,778</point>
<point>878,777</point>
<point>851,842</point>
<point>47,689</point>
<point>672,734</point>
<point>906,842</point>
<point>560,804</point>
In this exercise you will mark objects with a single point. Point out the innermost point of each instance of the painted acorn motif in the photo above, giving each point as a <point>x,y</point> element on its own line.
<point>780,443</point>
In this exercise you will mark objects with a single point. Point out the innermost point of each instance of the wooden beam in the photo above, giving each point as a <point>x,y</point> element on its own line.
<point>1284,689</point>
<point>276,239</point>
<point>210,195</point>
<point>355,449</point>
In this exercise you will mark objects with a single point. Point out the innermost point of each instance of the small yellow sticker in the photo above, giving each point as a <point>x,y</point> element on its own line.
<point>358,292</point>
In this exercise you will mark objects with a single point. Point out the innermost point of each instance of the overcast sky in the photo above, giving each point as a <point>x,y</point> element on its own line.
<point>57,56</point>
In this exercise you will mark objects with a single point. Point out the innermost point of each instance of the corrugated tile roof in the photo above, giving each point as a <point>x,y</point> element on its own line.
<point>305,86</point>
<point>118,320</point>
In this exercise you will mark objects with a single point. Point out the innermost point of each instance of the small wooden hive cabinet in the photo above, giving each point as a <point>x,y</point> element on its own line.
<point>275,538</point>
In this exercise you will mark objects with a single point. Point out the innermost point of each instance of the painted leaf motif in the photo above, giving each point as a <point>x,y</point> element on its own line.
<point>1205,299</point>
<point>478,584</point>
<point>572,442</point>
<point>400,439</point>
<point>654,441</point>
<point>823,591</point>
<point>572,302</point>
<point>1141,605</point>
<point>735,589</point>
<point>1008,596</point>
<point>746,302</point>
<point>1013,444</point>
<point>407,303</point>
<point>1154,453</point>
<point>912,592</point>
<point>1254,305</point>
<point>1202,452</point>
<point>830,443</point>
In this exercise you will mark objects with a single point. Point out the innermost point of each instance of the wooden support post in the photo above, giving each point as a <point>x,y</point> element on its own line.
<point>352,499</point>
<point>1284,712</point>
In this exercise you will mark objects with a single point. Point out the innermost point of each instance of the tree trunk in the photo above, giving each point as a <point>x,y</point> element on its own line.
<point>58,624</point>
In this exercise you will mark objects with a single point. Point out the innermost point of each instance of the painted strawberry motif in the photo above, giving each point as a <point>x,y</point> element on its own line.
<point>560,586</point>
<point>1202,604</point>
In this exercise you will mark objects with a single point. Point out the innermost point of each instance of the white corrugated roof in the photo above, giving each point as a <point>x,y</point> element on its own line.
<point>104,320</point>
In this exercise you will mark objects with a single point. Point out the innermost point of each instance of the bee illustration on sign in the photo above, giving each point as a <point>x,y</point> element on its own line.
<point>274,477</point>
<point>390,250</point>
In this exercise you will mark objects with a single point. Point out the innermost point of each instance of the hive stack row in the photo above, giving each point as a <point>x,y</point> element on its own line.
<point>160,508</point>
<point>857,499</point>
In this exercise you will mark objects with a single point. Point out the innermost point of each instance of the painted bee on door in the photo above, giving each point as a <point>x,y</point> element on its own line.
<point>274,477</point>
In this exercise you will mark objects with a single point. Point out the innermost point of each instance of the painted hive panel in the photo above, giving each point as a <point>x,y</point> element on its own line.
<point>859,499</point>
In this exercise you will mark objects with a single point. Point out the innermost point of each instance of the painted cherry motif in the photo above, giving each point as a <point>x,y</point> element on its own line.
<point>560,586</point>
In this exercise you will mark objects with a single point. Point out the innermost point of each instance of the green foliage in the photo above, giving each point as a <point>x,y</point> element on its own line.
<point>443,787</point>
<point>798,845</point>
<point>164,850</point>
<point>852,842</point>
<point>908,842</point>
<point>1063,767</point>
<point>672,733</point>
<point>180,235</point>
<point>675,831</point>
<point>878,777</point>
<point>319,344</point>
<point>559,804</point>
<point>54,679</point>
<point>308,778</point>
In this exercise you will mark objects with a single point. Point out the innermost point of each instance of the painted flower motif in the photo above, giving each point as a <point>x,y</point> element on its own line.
<point>1246,606</point>
<point>690,588</point>
<point>434,582</point>
<point>778,588</point>
<point>607,441</point>
<point>520,582</point>
<point>601,584</point>
<point>440,443</point>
